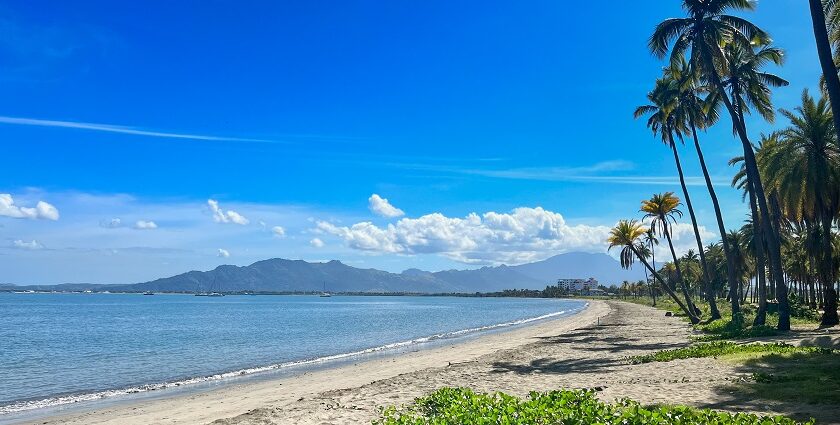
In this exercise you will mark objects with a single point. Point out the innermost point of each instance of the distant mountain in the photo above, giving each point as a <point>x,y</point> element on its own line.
<point>280,275</point>
<point>580,265</point>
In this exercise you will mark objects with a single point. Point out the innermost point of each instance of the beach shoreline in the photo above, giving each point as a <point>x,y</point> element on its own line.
<point>212,401</point>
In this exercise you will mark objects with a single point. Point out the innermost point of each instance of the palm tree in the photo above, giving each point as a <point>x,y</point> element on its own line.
<point>662,210</point>
<point>808,178</point>
<point>736,241</point>
<point>704,34</point>
<point>671,112</point>
<point>764,156</point>
<point>667,118</point>
<point>754,243</point>
<point>829,70</point>
<point>626,234</point>
<point>750,89</point>
<point>697,115</point>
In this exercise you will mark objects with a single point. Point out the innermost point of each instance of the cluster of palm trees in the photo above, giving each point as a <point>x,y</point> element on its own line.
<point>790,178</point>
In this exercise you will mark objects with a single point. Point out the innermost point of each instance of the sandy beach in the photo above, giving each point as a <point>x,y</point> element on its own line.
<point>588,350</point>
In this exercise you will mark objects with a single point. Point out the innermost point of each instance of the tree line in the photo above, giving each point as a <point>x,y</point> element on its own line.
<point>788,250</point>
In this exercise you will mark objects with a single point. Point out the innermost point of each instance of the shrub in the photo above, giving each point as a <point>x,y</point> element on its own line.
<point>462,406</point>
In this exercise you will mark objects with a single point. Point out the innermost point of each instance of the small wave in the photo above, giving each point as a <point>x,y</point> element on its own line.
<point>77,398</point>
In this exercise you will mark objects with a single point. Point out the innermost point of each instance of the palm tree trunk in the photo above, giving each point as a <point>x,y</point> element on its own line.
<point>730,261</point>
<point>829,317</point>
<point>753,175</point>
<point>758,244</point>
<point>694,320</point>
<point>832,81</point>
<point>707,281</point>
<point>683,287</point>
<point>653,260</point>
<point>647,281</point>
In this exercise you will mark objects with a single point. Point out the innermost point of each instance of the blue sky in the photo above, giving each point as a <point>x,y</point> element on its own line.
<point>293,114</point>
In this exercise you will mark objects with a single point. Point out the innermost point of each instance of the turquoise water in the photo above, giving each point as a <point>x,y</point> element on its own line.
<point>63,348</point>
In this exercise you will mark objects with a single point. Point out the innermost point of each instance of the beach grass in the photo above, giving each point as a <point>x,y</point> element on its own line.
<point>463,406</point>
<point>777,371</point>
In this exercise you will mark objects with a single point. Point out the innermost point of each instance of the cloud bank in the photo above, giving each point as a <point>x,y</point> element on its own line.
<point>525,234</point>
<point>41,211</point>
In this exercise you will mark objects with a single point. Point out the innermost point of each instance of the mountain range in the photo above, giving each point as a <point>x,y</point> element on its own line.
<point>281,275</point>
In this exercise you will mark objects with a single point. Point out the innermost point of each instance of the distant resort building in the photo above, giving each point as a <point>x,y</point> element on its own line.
<point>578,285</point>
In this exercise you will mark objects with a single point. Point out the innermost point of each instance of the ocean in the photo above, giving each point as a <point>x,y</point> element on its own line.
<point>59,349</point>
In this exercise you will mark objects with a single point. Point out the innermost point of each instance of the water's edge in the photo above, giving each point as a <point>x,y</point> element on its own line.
<point>28,409</point>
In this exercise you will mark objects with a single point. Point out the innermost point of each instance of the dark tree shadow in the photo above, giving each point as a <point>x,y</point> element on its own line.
<point>544,365</point>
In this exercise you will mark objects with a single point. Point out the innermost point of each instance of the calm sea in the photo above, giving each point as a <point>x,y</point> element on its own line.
<point>64,348</point>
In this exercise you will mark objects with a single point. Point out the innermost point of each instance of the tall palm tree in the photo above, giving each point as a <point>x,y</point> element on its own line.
<point>829,70</point>
<point>666,119</point>
<point>696,114</point>
<point>626,235</point>
<point>662,210</point>
<point>703,34</point>
<point>808,177</point>
<point>750,89</point>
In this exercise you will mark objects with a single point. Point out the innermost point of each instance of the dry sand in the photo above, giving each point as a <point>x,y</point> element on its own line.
<point>572,352</point>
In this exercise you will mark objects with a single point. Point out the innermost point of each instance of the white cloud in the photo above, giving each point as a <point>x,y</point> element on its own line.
<point>381,206</point>
<point>229,216</point>
<point>278,231</point>
<point>145,225</point>
<point>27,245</point>
<point>223,253</point>
<point>525,234</point>
<point>317,243</point>
<point>42,209</point>
<point>112,223</point>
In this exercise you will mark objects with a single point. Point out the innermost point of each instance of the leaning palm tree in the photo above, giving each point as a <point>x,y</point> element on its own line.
<point>662,210</point>
<point>666,118</point>
<point>703,35</point>
<point>697,114</point>
<point>626,235</point>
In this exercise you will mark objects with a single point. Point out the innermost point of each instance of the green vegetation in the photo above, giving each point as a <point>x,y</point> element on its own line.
<point>809,377</point>
<point>723,348</point>
<point>464,407</point>
<point>777,371</point>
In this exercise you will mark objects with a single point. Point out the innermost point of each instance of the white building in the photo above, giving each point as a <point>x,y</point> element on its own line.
<point>578,285</point>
